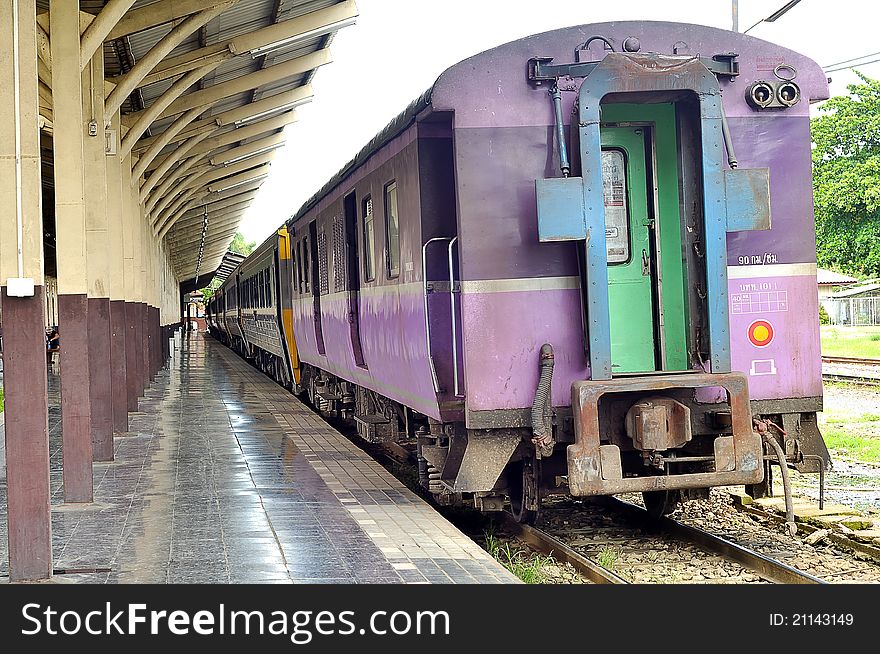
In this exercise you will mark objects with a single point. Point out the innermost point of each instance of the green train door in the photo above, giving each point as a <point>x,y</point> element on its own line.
<point>628,235</point>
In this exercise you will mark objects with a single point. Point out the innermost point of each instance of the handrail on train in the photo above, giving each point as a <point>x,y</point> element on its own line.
<point>451,242</point>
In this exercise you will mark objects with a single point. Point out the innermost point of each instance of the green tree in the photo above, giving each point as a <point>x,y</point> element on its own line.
<point>846,180</point>
<point>208,291</point>
<point>240,246</point>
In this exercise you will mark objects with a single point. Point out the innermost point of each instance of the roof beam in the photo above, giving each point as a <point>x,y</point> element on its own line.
<point>241,133</point>
<point>192,184</point>
<point>128,82</point>
<point>193,258</point>
<point>241,84</point>
<point>288,32</point>
<point>252,186</point>
<point>157,13</point>
<point>146,117</point>
<point>165,187</point>
<point>97,32</point>
<point>164,139</point>
<point>218,221</point>
<point>223,137</point>
<point>248,149</point>
<point>180,246</point>
<point>218,205</point>
<point>187,206</point>
<point>231,226</point>
<point>166,164</point>
<point>238,180</point>
<point>44,47</point>
<point>200,151</point>
<point>248,113</point>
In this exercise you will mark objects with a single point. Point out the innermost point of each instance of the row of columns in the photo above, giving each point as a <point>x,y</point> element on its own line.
<point>114,209</point>
<point>113,278</point>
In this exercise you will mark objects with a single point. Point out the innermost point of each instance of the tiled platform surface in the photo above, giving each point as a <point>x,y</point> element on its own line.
<point>227,477</point>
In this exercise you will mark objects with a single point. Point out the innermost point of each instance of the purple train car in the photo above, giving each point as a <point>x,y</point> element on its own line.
<point>583,262</point>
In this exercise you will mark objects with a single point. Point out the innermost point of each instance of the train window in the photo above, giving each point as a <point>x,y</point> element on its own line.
<point>266,288</point>
<point>307,270</point>
<point>323,279</point>
<point>298,267</point>
<point>338,254</point>
<point>369,241</point>
<point>616,210</point>
<point>269,292</point>
<point>392,231</point>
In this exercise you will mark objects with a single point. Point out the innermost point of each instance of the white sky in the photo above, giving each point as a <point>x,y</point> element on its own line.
<point>398,48</point>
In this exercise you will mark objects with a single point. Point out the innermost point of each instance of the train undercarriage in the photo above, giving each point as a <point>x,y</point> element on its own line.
<point>635,434</point>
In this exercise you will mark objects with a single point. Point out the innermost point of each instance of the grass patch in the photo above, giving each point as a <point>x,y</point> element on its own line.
<point>1,399</point>
<point>527,566</point>
<point>842,341</point>
<point>852,445</point>
<point>607,558</point>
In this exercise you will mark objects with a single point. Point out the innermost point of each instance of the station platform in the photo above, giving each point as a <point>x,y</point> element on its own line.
<point>225,477</point>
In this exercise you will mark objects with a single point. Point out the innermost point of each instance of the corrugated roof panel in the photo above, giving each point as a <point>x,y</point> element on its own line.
<point>243,17</point>
<point>292,52</point>
<point>282,85</point>
<point>232,102</point>
<point>142,42</point>
<point>232,68</point>
<point>294,8</point>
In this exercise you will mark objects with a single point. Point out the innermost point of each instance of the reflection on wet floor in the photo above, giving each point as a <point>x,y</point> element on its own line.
<point>226,477</point>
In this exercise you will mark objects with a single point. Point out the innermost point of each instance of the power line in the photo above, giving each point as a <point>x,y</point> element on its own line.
<point>847,61</point>
<point>863,63</point>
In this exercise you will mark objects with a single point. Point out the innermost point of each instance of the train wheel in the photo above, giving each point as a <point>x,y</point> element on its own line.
<point>660,503</point>
<point>522,490</point>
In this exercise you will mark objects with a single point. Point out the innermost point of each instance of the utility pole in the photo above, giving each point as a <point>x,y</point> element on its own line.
<point>734,9</point>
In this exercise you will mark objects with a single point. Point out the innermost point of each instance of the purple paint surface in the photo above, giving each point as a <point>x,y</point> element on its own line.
<point>503,136</point>
<point>791,365</point>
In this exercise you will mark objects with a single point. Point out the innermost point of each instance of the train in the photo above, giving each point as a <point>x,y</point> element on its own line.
<point>581,263</point>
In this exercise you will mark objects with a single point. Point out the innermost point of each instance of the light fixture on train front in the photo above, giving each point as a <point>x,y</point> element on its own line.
<point>760,95</point>
<point>788,94</point>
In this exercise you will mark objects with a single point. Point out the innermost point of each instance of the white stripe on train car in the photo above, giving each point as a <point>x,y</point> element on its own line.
<point>772,270</point>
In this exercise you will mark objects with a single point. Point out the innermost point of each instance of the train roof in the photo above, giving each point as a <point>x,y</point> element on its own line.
<point>398,125</point>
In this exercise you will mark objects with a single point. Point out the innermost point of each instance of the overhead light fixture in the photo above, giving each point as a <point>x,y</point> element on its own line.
<point>269,112</point>
<point>302,36</point>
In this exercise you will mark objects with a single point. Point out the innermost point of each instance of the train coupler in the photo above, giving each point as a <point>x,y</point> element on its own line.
<point>658,424</point>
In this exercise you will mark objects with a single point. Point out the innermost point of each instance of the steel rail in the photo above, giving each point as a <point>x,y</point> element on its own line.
<point>550,545</point>
<point>861,361</point>
<point>765,567</point>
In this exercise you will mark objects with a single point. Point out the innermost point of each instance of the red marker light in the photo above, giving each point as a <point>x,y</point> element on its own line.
<point>761,333</point>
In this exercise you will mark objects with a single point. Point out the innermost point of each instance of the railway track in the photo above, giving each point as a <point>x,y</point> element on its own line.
<point>852,370</point>
<point>852,361</point>
<point>609,528</point>
<point>680,541</point>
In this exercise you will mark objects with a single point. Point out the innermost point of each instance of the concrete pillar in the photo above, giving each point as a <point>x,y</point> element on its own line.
<point>98,249</point>
<point>146,256</point>
<point>24,345</point>
<point>116,278</point>
<point>134,333</point>
<point>69,134</point>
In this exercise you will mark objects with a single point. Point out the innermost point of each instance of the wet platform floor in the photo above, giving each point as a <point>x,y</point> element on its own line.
<point>225,477</point>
